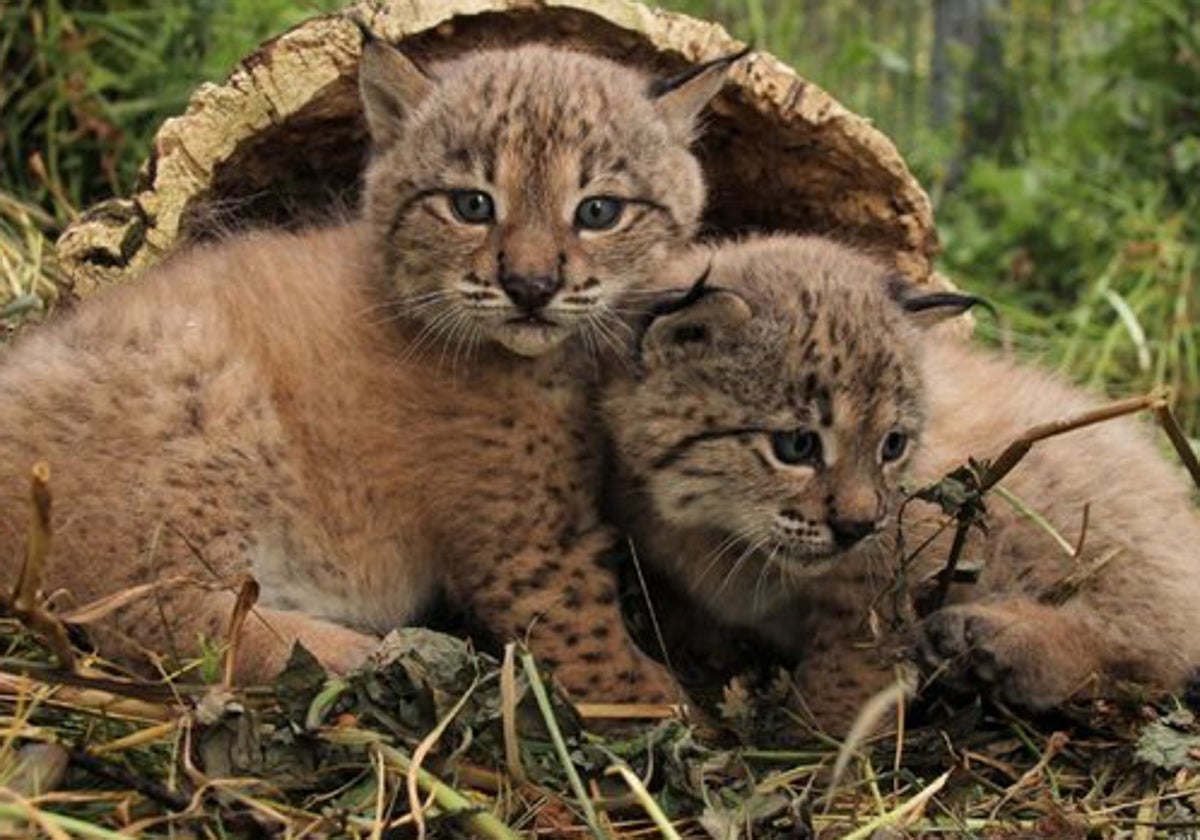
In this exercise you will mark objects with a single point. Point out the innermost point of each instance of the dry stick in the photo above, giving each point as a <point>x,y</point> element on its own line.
<point>1019,448</point>
<point>1083,531</point>
<point>423,749</point>
<point>1166,419</point>
<point>27,591</point>
<point>247,597</point>
<point>946,576</point>
<point>508,715</point>
<point>169,799</point>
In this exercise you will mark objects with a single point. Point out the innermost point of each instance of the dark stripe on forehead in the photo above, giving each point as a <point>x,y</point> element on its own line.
<point>824,406</point>
<point>681,447</point>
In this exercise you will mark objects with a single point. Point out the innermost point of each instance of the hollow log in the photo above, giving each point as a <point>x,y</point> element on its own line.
<point>282,141</point>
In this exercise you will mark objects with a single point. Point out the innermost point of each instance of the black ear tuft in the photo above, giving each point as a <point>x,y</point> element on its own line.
<point>941,300</point>
<point>679,100</point>
<point>661,87</point>
<point>688,324</point>
<point>929,308</point>
<point>697,290</point>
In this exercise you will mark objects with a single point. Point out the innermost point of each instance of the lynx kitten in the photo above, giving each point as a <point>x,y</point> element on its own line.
<point>361,415</point>
<point>763,444</point>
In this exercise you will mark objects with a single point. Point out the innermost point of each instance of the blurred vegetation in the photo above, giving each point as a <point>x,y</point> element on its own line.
<point>1059,139</point>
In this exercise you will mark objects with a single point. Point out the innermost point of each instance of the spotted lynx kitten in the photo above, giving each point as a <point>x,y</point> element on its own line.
<point>363,415</point>
<point>763,445</point>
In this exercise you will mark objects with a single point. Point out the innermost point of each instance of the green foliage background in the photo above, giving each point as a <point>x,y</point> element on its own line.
<point>1065,181</point>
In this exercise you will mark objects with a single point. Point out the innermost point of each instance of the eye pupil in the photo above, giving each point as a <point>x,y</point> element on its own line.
<point>473,206</point>
<point>798,446</point>
<point>894,445</point>
<point>598,213</point>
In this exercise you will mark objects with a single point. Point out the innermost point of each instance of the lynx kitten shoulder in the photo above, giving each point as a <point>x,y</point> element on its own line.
<point>359,416</point>
<point>762,448</point>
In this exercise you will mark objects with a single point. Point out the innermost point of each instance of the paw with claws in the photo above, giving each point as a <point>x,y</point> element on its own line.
<point>1022,653</point>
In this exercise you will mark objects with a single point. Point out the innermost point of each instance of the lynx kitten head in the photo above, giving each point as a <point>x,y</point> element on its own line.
<point>777,405</point>
<point>517,194</point>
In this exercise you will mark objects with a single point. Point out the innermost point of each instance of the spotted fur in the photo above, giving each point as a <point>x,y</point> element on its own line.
<point>539,132</point>
<point>804,334</point>
<point>360,416</point>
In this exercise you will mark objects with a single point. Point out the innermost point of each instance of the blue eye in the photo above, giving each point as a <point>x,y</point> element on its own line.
<point>894,446</point>
<point>799,446</point>
<point>599,212</point>
<point>473,207</point>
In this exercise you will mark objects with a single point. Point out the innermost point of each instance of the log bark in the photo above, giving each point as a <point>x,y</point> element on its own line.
<point>282,141</point>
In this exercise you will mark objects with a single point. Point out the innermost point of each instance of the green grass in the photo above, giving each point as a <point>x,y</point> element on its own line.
<point>1082,222</point>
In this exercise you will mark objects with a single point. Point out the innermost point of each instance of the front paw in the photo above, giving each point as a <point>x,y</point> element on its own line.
<point>1021,654</point>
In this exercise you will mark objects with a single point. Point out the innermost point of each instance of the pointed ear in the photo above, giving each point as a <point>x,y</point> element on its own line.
<point>681,99</point>
<point>707,319</point>
<point>391,86</point>
<point>930,308</point>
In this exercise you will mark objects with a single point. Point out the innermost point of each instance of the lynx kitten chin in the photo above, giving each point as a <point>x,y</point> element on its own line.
<point>347,414</point>
<point>761,448</point>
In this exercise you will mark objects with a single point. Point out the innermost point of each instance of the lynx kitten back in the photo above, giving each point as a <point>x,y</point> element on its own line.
<point>763,447</point>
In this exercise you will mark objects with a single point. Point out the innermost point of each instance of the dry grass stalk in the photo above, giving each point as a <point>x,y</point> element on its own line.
<point>25,601</point>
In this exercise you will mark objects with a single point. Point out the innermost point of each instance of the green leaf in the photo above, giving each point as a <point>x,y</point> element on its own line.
<point>1168,747</point>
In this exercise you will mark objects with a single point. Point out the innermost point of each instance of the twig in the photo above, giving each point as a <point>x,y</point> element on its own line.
<point>25,601</point>
<point>1083,531</point>
<point>1054,746</point>
<point>1166,419</point>
<point>422,750</point>
<point>946,576</point>
<point>169,799</point>
<point>508,715</point>
<point>247,597</point>
<point>1015,451</point>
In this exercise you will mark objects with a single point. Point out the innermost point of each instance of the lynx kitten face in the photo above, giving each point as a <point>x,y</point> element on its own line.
<point>518,194</point>
<point>765,416</point>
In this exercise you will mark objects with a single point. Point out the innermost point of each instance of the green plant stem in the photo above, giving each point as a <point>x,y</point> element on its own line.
<point>560,746</point>
<point>450,800</point>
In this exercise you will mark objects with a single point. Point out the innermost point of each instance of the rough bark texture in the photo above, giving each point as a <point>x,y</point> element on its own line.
<point>282,141</point>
